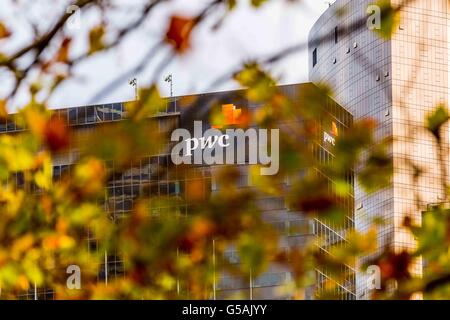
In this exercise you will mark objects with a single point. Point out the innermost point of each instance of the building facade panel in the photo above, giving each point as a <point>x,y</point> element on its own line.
<point>397,82</point>
<point>154,176</point>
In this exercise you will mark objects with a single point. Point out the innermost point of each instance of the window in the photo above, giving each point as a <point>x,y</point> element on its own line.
<point>73,116</point>
<point>90,114</point>
<point>174,188</point>
<point>10,125</point>
<point>117,111</point>
<point>314,57</point>
<point>3,125</point>
<point>56,173</point>
<point>107,109</point>
<point>270,280</point>
<point>336,35</point>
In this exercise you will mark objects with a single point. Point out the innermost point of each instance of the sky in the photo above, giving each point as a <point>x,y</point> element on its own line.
<point>245,35</point>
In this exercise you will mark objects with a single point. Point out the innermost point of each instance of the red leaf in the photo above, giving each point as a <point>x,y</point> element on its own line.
<point>56,134</point>
<point>179,33</point>
<point>395,266</point>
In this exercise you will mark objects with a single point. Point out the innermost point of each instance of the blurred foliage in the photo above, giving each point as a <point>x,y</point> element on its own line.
<point>45,223</point>
<point>390,18</point>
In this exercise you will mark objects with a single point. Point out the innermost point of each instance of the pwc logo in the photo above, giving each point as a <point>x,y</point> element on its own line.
<point>219,145</point>
<point>334,129</point>
<point>231,116</point>
<point>330,137</point>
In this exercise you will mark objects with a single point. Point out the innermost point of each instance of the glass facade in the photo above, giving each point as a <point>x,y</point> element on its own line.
<point>397,82</point>
<point>154,176</point>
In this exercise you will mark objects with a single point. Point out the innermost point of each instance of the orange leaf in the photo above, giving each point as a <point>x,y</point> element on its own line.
<point>195,190</point>
<point>179,33</point>
<point>3,109</point>
<point>4,31</point>
<point>56,134</point>
<point>63,53</point>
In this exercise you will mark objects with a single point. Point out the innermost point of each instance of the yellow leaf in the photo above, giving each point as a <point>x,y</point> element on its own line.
<point>166,282</point>
<point>390,19</point>
<point>21,245</point>
<point>3,109</point>
<point>149,104</point>
<point>89,176</point>
<point>43,178</point>
<point>96,39</point>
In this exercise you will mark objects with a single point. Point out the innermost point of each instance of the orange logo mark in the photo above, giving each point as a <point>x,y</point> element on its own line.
<point>334,129</point>
<point>230,114</point>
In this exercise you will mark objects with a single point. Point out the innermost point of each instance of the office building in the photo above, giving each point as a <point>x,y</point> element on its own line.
<point>396,82</point>
<point>155,176</point>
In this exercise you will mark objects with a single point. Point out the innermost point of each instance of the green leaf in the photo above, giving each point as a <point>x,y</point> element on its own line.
<point>260,86</point>
<point>390,19</point>
<point>149,104</point>
<point>436,120</point>
<point>258,3</point>
<point>252,254</point>
<point>377,170</point>
<point>231,4</point>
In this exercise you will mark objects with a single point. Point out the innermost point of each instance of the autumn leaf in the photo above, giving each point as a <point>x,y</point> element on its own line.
<point>89,176</point>
<point>195,191</point>
<point>436,120</point>
<point>43,178</point>
<point>258,3</point>
<point>179,33</point>
<point>63,53</point>
<point>252,253</point>
<point>377,170</point>
<point>96,39</point>
<point>390,19</point>
<point>395,265</point>
<point>350,145</point>
<point>3,57</point>
<point>4,31</point>
<point>56,134</point>
<point>231,4</point>
<point>260,85</point>
<point>3,109</point>
<point>149,104</point>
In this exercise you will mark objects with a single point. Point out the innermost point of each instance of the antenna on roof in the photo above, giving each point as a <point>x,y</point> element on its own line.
<point>133,82</point>
<point>169,79</point>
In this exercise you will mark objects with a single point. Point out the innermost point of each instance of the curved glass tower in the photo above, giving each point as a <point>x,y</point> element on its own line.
<point>396,82</point>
